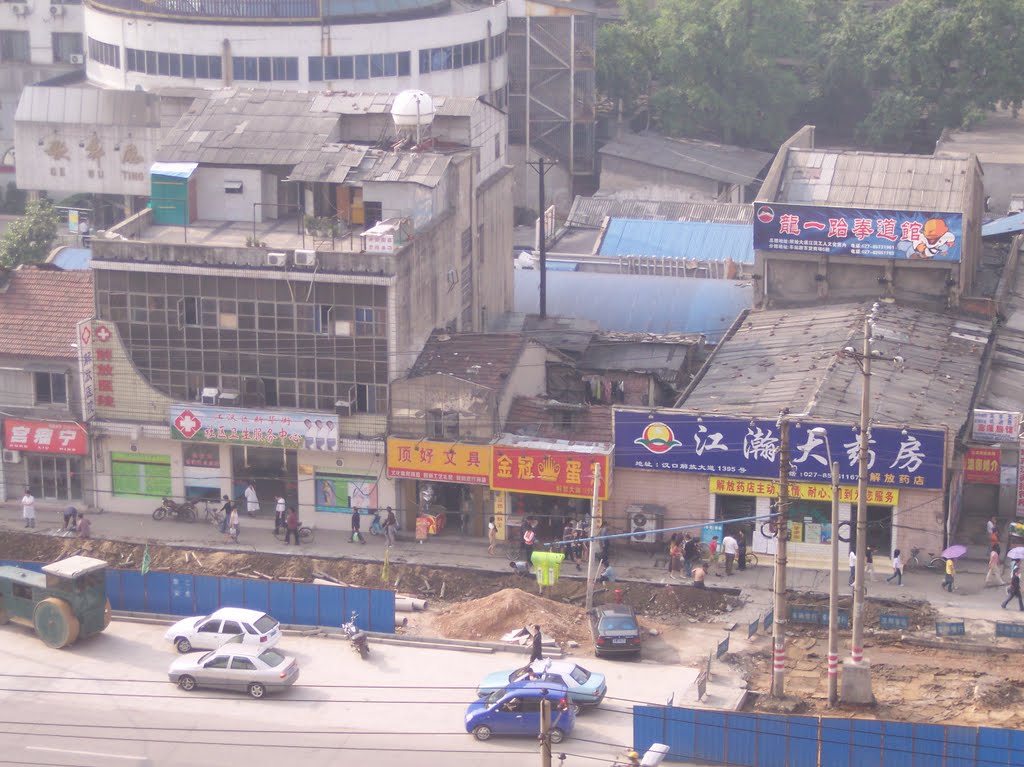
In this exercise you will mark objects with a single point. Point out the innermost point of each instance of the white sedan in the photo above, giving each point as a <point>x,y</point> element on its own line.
<point>208,632</point>
<point>236,666</point>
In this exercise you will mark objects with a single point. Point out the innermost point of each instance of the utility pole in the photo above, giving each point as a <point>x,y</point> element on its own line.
<point>833,596</point>
<point>545,737</point>
<point>857,672</point>
<point>594,510</point>
<point>781,536</point>
<point>542,238</point>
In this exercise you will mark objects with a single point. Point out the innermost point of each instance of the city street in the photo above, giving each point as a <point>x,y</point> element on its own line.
<point>108,701</point>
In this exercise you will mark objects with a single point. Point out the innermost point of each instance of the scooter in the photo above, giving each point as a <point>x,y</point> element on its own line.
<point>376,528</point>
<point>181,512</point>
<point>357,636</point>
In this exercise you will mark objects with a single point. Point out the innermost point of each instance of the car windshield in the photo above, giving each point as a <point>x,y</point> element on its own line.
<point>265,624</point>
<point>495,696</point>
<point>580,675</point>
<point>618,623</point>
<point>272,658</point>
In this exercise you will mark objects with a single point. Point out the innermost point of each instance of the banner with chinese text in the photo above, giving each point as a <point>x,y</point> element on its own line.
<point>1020,478</point>
<point>439,461</point>
<point>995,426</point>
<point>981,465</point>
<point>866,232</point>
<point>63,437</point>
<point>234,426</point>
<point>800,491</point>
<point>548,472</point>
<point>673,441</point>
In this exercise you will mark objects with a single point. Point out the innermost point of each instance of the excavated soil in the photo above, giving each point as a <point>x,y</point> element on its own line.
<point>490,618</point>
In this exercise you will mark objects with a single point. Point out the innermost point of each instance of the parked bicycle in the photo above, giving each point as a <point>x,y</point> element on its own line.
<point>212,513</point>
<point>914,561</point>
<point>305,534</point>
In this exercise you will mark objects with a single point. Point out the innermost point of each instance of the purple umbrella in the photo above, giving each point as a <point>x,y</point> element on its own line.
<point>1017,553</point>
<point>954,551</point>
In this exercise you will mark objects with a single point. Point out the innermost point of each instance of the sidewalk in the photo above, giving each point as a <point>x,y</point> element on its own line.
<point>971,597</point>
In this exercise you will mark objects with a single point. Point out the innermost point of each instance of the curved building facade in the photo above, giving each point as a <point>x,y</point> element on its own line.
<point>439,46</point>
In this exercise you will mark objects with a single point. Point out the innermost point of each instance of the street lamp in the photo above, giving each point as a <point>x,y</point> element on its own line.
<point>833,583</point>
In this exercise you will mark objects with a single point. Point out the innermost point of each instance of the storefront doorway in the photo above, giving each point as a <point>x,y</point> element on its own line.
<point>736,507</point>
<point>54,478</point>
<point>551,512</point>
<point>879,529</point>
<point>271,470</point>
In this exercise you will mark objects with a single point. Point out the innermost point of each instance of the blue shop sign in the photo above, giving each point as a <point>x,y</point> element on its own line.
<point>684,442</point>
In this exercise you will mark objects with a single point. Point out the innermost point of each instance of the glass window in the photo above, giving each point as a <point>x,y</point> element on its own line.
<point>346,68</point>
<point>163,63</point>
<point>291,69</point>
<point>65,45</point>
<point>264,69</point>
<point>272,658</point>
<point>331,68</point>
<point>424,62</point>
<point>175,65</point>
<point>242,664</point>
<point>14,46</point>
<point>238,67</point>
<point>456,56</point>
<point>316,69</point>
<point>362,67</point>
<point>221,661</point>
<point>579,675</point>
<point>215,67</point>
<point>51,388</point>
<point>210,627</point>
<point>404,64</point>
<point>377,65</point>
<point>322,319</point>
<point>188,65</point>
<point>390,64</point>
<point>231,627</point>
<point>151,62</point>
<point>203,67</point>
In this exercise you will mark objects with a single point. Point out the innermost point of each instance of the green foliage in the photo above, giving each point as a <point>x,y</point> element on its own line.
<point>29,239</point>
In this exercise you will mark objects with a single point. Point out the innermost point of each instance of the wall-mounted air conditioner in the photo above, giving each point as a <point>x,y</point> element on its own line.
<point>305,258</point>
<point>57,10</point>
<point>12,456</point>
<point>76,58</point>
<point>277,259</point>
<point>20,9</point>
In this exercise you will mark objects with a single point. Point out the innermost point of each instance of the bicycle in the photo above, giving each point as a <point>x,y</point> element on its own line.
<point>305,534</point>
<point>934,562</point>
<point>751,559</point>
<point>212,513</point>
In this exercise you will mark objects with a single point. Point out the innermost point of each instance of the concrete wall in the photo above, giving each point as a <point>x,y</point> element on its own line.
<point>493,268</point>
<point>620,174</point>
<point>215,204</point>
<point>525,192</point>
<point>528,379</point>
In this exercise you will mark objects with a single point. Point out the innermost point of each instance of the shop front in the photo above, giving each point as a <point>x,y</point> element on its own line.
<point>442,483</point>
<point>47,457</point>
<point>549,484</point>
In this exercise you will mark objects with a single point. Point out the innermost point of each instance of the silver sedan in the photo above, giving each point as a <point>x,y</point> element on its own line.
<point>242,668</point>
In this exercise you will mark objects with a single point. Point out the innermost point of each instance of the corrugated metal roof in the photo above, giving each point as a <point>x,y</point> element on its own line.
<point>639,303</point>
<point>1006,225</point>
<point>721,162</point>
<point>592,211</point>
<point>88,106</point>
<point>689,240</point>
<point>72,259</point>
<point>874,180</point>
<point>1006,374</point>
<point>351,103</point>
<point>333,163</point>
<point>410,167</point>
<point>788,358</point>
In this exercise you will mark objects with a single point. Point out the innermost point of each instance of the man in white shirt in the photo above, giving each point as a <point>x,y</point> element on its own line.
<point>730,547</point>
<point>28,509</point>
<point>853,564</point>
<point>252,501</point>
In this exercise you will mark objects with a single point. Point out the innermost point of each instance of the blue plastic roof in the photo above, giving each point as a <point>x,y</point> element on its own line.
<point>73,259</point>
<point>637,303</point>
<point>691,240</point>
<point>1007,225</point>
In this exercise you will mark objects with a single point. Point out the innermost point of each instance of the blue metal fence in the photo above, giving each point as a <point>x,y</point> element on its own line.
<point>302,604</point>
<point>766,740</point>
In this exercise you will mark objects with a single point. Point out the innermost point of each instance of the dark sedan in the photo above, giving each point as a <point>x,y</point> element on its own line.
<point>616,630</point>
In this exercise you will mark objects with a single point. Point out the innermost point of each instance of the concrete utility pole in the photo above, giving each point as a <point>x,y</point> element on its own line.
<point>781,535</point>
<point>594,501</point>
<point>542,239</point>
<point>833,595</point>
<point>545,728</point>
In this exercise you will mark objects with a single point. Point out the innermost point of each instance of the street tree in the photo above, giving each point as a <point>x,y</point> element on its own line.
<point>29,238</point>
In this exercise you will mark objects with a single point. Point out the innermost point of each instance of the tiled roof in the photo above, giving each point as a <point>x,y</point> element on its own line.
<point>722,162</point>
<point>548,419</point>
<point>39,309</point>
<point>487,359</point>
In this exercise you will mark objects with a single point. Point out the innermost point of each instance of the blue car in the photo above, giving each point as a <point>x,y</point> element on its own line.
<point>586,688</point>
<point>515,710</point>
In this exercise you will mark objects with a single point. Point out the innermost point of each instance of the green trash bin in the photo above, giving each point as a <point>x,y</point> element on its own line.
<point>548,566</point>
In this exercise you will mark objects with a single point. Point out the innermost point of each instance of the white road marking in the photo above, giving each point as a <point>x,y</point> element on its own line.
<point>87,753</point>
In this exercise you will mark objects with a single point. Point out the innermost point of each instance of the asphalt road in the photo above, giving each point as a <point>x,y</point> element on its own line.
<point>107,701</point>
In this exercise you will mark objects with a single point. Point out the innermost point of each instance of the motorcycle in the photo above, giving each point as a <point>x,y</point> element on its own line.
<point>376,528</point>
<point>357,636</point>
<point>180,512</point>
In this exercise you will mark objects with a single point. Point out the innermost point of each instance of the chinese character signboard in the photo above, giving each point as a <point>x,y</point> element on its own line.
<point>439,461</point>
<point>103,365</point>
<point>298,431</point>
<point>801,491</point>
<point>45,437</point>
<point>981,465</point>
<point>671,441</point>
<point>548,472</point>
<point>86,370</point>
<point>1020,478</point>
<point>868,233</point>
<point>995,426</point>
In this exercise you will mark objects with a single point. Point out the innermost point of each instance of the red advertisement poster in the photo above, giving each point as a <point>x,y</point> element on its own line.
<point>45,437</point>
<point>981,465</point>
<point>548,472</point>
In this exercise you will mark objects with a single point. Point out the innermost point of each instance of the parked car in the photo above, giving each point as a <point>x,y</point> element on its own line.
<point>208,632</point>
<point>236,666</point>
<point>616,630</point>
<point>515,710</point>
<point>586,688</point>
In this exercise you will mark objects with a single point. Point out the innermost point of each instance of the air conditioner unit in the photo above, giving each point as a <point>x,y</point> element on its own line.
<point>640,525</point>
<point>228,397</point>
<point>12,456</point>
<point>305,258</point>
<point>343,407</point>
<point>20,9</point>
<point>208,396</point>
<point>77,58</point>
<point>57,10</point>
<point>277,259</point>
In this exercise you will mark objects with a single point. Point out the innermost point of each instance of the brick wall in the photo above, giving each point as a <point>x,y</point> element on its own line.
<point>919,521</point>
<point>685,497</point>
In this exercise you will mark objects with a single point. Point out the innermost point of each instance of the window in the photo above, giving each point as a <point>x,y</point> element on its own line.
<point>231,627</point>
<point>65,45</point>
<point>270,392</point>
<point>242,664</point>
<point>103,53</point>
<point>322,320</point>
<point>249,629</point>
<point>371,399</point>
<point>55,478</point>
<point>564,420</point>
<point>369,322</point>
<point>145,475</point>
<point>497,146</point>
<point>14,46</point>
<point>233,187</point>
<point>51,389</point>
<point>221,661</point>
<point>453,57</point>
<point>265,68</point>
<point>361,67</point>
<point>210,627</point>
<point>404,63</point>
<point>188,311</point>
<point>442,424</point>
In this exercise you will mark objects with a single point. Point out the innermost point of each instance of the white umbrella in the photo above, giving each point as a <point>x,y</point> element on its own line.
<point>1017,553</point>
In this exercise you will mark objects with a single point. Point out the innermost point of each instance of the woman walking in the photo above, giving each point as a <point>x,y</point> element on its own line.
<point>897,569</point>
<point>492,536</point>
<point>1014,588</point>
<point>995,568</point>
<point>674,554</point>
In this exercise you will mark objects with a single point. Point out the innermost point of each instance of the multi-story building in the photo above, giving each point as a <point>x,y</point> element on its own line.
<point>288,269</point>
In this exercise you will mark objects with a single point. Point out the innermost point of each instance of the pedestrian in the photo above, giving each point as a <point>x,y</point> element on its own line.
<point>28,508</point>
<point>1013,590</point>
<point>225,519</point>
<point>280,513</point>
<point>897,569</point>
<point>947,582</point>
<point>675,553</point>
<point>537,649</point>
<point>698,576</point>
<point>356,524</point>
<point>233,524</point>
<point>853,564</point>
<point>741,550</point>
<point>391,525</point>
<point>729,548</point>
<point>992,528</point>
<point>690,553</point>
<point>70,518</point>
<point>567,543</point>
<point>291,526</point>
<point>713,552</point>
<point>995,568</point>
<point>492,537</point>
<point>869,563</point>
<point>606,573</point>
<point>84,526</point>
<point>252,501</point>
<point>529,539</point>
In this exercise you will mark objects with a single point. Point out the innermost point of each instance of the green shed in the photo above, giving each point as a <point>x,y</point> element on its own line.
<point>173,193</point>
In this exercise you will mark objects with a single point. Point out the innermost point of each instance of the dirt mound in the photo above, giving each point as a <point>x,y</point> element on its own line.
<point>493,616</point>
<point>995,692</point>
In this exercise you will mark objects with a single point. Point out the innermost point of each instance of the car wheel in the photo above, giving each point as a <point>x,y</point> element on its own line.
<point>186,683</point>
<point>482,732</point>
<point>257,690</point>
<point>576,708</point>
<point>183,645</point>
<point>556,735</point>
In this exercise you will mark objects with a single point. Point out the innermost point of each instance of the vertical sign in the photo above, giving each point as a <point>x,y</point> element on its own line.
<point>499,514</point>
<point>85,370</point>
<point>73,221</point>
<point>1020,478</point>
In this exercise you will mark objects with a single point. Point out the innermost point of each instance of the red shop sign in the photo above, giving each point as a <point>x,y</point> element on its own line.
<point>982,465</point>
<point>548,472</point>
<point>45,436</point>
